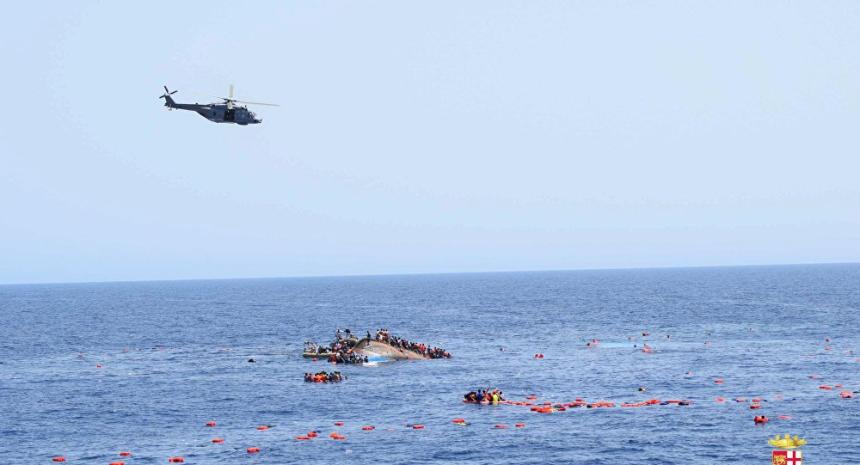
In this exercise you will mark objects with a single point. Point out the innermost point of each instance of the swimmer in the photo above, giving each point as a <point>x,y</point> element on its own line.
<point>251,360</point>
<point>642,389</point>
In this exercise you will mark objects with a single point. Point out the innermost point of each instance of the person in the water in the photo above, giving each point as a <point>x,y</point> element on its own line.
<point>484,396</point>
<point>324,377</point>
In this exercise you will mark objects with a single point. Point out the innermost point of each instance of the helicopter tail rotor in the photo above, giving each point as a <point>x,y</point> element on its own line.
<point>168,100</point>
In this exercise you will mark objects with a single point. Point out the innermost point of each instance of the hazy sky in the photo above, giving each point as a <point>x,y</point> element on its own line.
<point>427,136</point>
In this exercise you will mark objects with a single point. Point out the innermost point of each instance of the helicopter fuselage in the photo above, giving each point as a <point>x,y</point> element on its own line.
<point>219,113</point>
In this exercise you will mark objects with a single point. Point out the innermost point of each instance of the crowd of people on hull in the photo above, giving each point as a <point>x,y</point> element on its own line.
<point>382,335</point>
<point>484,396</point>
<point>324,377</point>
<point>339,351</point>
<point>342,349</point>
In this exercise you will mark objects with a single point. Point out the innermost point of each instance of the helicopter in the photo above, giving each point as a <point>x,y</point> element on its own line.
<point>227,112</point>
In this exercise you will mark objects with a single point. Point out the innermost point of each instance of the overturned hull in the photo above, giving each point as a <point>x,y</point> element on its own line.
<point>372,348</point>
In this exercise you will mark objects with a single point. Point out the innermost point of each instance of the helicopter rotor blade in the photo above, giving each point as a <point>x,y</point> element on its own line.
<point>230,95</point>
<point>257,103</point>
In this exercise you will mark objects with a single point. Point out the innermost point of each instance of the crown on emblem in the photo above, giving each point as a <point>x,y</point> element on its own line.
<point>786,442</point>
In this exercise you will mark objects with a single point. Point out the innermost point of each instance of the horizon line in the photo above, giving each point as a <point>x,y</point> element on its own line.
<point>430,273</point>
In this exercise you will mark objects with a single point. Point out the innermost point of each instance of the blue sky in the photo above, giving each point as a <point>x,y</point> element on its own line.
<point>427,137</point>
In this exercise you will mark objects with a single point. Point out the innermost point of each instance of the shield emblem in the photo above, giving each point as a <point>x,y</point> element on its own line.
<point>787,457</point>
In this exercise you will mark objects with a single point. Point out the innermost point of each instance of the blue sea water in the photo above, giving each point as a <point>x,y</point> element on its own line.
<point>174,355</point>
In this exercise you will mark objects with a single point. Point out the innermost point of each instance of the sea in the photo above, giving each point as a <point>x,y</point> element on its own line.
<point>91,370</point>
